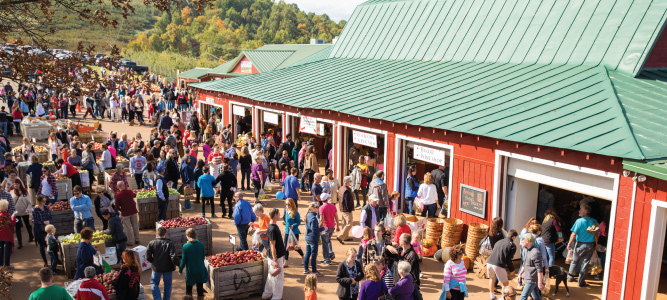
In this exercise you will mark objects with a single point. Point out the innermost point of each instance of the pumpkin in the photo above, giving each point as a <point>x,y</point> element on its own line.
<point>429,251</point>
<point>438,255</point>
<point>466,262</point>
<point>428,243</point>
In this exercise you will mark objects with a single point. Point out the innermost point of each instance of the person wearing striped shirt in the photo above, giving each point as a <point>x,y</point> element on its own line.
<point>454,284</point>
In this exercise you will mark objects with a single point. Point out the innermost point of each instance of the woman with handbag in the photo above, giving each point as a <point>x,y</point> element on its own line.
<point>310,164</point>
<point>350,272</point>
<point>22,205</point>
<point>374,288</point>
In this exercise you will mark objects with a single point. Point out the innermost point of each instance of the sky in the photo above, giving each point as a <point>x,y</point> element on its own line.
<point>336,10</point>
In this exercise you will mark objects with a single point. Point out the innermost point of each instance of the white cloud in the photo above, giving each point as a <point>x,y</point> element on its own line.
<point>336,10</point>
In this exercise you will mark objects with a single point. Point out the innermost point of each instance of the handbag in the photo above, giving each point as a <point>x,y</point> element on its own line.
<point>385,294</point>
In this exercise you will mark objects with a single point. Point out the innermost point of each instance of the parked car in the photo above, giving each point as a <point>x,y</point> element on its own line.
<point>133,66</point>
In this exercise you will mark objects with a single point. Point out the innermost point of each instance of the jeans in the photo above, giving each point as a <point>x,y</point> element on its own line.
<point>155,285</point>
<point>304,186</point>
<point>183,107</point>
<point>226,195</point>
<point>63,113</point>
<point>54,261</point>
<point>364,193</point>
<point>580,261</point>
<point>139,179</point>
<point>311,254</point>
<point>531,289</point>
<point>80,224</point>
<point>22,221</point>
<point>409,201</point>
<point>326,245</point>
<point>430,209</point>
<point>265,245</point>
<point>242,231</point>
<point>3,125</point>
<point>120,247</point>
<point>382,214</point>
<point>5,252</point>
<point>245,178</point>
<point>203,205</point>
<point>551,252</point>
<point>161,209</point>
<point>170,104</point>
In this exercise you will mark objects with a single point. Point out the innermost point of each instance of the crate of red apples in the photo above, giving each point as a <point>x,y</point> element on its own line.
<point>62,217</point>
<point>236,274</point>
<point>176,228</point>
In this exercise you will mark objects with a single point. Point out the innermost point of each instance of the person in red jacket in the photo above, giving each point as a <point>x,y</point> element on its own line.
<point>128,211</point>
<point>90,288</point>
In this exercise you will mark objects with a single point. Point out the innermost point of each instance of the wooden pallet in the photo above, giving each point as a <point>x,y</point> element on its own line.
<point>237,281</point>
<point>204,235</point>
<point>147,208</point>
<point>63,220</point>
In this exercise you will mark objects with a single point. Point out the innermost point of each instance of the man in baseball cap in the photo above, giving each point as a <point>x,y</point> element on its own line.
<point>329,215</point>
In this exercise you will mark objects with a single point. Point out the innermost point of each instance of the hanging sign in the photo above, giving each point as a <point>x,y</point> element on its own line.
<point>363,138</point>
<point>320,129</point>
<point>209,100</point>
<point>246,67</point>
<point>472,201</point>
<point>238,110</point>
<point>429,155</point>
<point>308,125</point>
<point>270,117</point>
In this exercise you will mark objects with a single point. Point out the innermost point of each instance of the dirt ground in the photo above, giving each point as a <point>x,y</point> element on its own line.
<point>27,261</point>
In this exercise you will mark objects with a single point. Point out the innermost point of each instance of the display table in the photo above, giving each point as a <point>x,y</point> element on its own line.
<point>37,129</point>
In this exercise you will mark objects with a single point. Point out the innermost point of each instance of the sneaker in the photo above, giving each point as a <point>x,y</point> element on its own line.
<point>306,271</point>
<point>213,216</point>
<point>581,285</point>
<point>202,215</point>
<point>318,274</point>
<point>340,241</point>
<point>326,263</point>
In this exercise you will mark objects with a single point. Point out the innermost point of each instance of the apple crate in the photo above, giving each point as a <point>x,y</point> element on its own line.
<point>238,281</point>
<point>148,209</point>
<point>204,234</point>
<point>132,184</point>
<point>68,256</point>
<point>142,294</point>
<point>63,220</point>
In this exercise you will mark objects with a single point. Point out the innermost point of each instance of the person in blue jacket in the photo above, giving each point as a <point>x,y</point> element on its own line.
<point>243,215</point>
<point>292,222</point>
<point>313,231</point>
<point>205,184</point>
<point>187,177</point>
<point>85,253</point>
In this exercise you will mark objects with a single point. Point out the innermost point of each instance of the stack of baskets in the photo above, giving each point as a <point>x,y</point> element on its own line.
<point>476,233</point>
<point>451,232</point>
<point>434,229</point>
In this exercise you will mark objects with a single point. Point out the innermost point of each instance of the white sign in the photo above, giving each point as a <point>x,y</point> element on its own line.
<point>246,67</point>
<point>232,239</point>
<point>270,117</point>
<point>209,100</point>
<point>320,129</point>
<point>238,110</point>
<point>430,155</point>
<point>363,138</point>
<point>308,125</point>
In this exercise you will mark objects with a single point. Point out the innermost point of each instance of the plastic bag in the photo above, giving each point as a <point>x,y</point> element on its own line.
<point>596,266</point>
<point>292,242</point>
<point>547,285</point>
<point>256,240</point>
<point>262,195</point>
<point>485,247</point>
<point>267,185</point>
<point>418,205</point>
<point>569,258</point>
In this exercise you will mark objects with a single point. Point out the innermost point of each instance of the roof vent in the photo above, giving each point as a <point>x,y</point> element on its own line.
<point>317,41</point>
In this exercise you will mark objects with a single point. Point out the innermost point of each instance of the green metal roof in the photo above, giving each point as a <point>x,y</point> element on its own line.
<point>223,69</point>
<point>195,73</point>
<point>656,169</point>
<point>564,106</point>
<point>301,51</point>
<point>319,55</point>
<point>266,60</point>
<point>616,34</point>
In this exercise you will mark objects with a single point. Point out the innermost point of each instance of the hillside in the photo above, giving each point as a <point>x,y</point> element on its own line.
<point>233,25</point>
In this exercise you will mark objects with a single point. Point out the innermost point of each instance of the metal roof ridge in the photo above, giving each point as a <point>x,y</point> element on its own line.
<point>619,106</point>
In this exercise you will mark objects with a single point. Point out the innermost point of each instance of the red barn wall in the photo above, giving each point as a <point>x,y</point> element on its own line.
<point>237,67</point>
<point>658,56</point>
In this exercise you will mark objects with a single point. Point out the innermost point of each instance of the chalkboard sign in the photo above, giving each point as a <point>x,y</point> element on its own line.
<point>472,201</point>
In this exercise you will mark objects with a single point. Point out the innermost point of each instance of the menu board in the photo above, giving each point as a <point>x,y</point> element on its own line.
<point>473,201</point>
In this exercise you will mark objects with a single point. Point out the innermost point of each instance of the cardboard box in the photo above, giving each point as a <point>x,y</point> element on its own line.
<point>418,225</point>
<point>100,247</point>
<point>110,256</point>
<point>140,253</point>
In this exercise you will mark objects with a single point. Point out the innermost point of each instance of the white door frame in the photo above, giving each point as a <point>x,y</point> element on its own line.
<point>368,129</point>
<point>279,112</point>
<point>504,155</point>
<point>231,116</point>
<point>334,139</point>
<point>398,163</point>
<point>655,242</point>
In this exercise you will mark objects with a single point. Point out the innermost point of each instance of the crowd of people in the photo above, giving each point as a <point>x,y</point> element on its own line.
<point>187,151</point>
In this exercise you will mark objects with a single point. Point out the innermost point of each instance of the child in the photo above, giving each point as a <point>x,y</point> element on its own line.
<point>417,246</point>
<point>310,287</point>
<point>52,246</point>
<point>367,236</point>
<point>393,202</point>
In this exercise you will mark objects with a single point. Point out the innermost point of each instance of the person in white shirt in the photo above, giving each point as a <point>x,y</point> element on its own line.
<point>428,195</point>
<point>113,106</point>
<point>106,157</point>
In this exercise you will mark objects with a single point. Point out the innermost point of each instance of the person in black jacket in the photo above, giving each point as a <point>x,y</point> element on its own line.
<point>350,273</point>
<point>161,253</point>
<point>116,231</point>
<point>405,252</point>
<point>501,259</point>
<point>227,181</point>
<point>283,163</point>
<point>172,173</point>
<point>102,201</point>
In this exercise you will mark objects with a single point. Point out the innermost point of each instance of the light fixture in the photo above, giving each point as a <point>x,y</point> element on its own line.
<point>626,173</point>
<point>641,178</point>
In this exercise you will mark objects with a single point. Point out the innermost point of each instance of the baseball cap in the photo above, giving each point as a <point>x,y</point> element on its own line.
<point>324,196</point>
<point>160,169</point>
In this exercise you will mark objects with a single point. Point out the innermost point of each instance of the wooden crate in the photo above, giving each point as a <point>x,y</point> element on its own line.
<point>148,209</point>
<point>63,220</point>
<point>64,189</point>
<point>237,281</point>
<point>68,256</point>
<point>37,132</point>
<point>142,294</point>
<point>132,184</point>
<point>204,234</point>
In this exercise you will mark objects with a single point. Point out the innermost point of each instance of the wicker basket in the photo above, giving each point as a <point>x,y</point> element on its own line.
<point>476,233</point>
<point>451,232</point>
<point>434,228</point>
